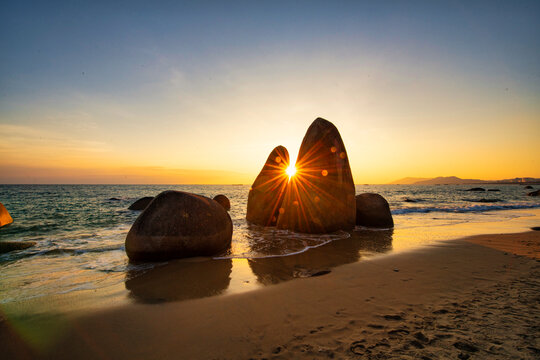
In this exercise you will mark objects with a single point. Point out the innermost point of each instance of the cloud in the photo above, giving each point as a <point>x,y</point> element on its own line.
<point>28,145</point>
<point>14,174</point>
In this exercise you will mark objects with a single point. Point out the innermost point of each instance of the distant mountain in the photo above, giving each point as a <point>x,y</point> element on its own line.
<point>450,180</point>
<point>408,181</point>
<point>454,180</point>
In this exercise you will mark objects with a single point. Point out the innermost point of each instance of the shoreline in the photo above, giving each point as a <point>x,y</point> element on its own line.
<point>456,298</point>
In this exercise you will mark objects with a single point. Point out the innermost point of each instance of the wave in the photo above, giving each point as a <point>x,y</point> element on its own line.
<point>322,239</point>
<point>71,251</point>
<point>464,209</point>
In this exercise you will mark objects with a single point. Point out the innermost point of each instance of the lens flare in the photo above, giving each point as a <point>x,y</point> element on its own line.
<point>291,170</point>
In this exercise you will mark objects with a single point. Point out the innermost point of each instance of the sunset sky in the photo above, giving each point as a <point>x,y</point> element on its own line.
<point>165,92</point>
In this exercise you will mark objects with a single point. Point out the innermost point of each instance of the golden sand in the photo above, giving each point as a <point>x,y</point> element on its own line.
<point>454,300</point>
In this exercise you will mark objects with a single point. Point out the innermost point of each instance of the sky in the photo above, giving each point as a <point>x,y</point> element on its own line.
<point>171,92</point>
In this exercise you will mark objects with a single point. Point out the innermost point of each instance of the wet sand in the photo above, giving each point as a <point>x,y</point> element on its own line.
<point>468,298</point>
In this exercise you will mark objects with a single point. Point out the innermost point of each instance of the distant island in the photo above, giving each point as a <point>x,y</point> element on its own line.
<point>454,180</point>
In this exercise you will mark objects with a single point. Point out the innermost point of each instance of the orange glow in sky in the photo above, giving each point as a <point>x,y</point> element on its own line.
<point>202,95</point>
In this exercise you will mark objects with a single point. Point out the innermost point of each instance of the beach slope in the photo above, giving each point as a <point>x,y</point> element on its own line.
<point>457,299</point>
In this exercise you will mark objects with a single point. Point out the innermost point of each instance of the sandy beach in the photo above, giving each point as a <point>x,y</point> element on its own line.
<point>476,297</point>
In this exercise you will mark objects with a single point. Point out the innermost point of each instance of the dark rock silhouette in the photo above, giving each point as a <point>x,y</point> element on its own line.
<point>320,197</point>
<point>223,201</point>
<point>534,193</point>
<point>483,200</point>
<point>528,187</point>
<point>141,204</point>
<point>5,218</point>
<point>266,193</point>
<point>494,190</point>
<point>7,246</point>
<point>177,224</point>
<point>114,199</point>
<point>412,200</point>
<point>476,189</point>
<point>372,210</point>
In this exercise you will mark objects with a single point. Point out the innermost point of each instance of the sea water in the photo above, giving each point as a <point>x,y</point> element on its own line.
<point>79,231</point>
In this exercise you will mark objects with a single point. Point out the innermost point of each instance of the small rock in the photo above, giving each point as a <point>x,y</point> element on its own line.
<point>7,246</point>
<point>494,190</point>
<point>141,204</point>
<point>223,201</point>
<point>396,270</point>
<point>114,199</point>
<point>529,187</point>
<point>372,210</point>
<point>476,189</point>
<point>534,193</point>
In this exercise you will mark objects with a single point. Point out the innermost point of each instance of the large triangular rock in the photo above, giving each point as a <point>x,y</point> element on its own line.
<point>320,197</point>
<point>266,193</point>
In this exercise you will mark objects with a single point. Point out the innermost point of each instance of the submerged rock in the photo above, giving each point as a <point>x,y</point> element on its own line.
<point>5,218</point>
<point>141,204</point>
<point>483,200</point>
<point>223,201</point>
<point>266,193</point>
<point>320,196</point>
<point>412,200</point>
<point>7,246</point>
<point>372,210</point>
<point>493,190</point>
<point>177,224</point>
<point>534,193</point>
<point>476,189</point>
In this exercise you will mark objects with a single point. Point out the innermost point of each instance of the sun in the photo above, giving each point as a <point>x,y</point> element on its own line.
<point>291,170</point>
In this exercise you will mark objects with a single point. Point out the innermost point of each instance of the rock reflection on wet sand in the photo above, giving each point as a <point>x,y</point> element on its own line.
<point>180,280</point>
<point>321,259</point>
<point>202,277</point>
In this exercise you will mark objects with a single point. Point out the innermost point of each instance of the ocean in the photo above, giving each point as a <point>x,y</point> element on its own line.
<point>80,231</point>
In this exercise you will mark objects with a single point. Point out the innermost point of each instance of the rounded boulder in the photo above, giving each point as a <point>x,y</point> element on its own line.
<point>141,204</point>
<point>223,201</point>
<point>372,210</point>
<point>177,224</point>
